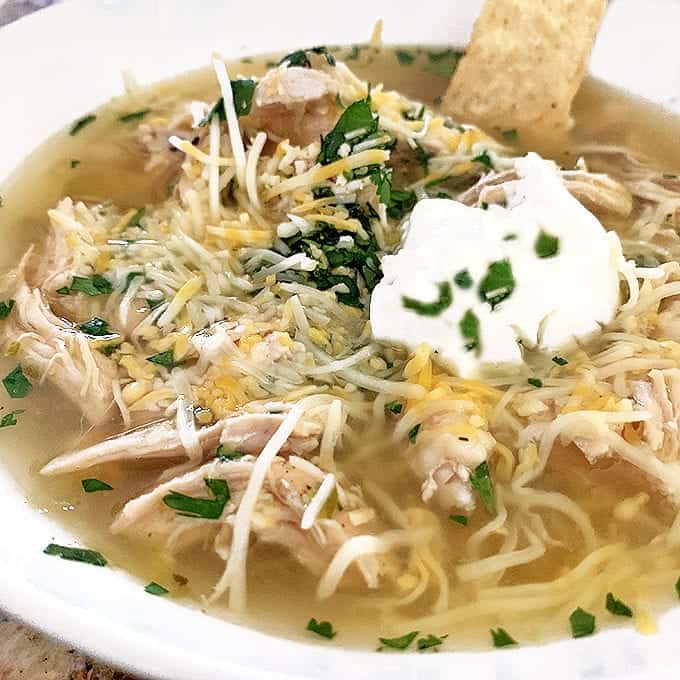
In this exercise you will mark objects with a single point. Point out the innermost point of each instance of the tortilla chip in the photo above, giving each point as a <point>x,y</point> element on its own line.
<point>524,63</point>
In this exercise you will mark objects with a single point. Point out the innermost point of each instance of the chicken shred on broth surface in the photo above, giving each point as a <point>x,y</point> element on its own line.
<point>224,404</point>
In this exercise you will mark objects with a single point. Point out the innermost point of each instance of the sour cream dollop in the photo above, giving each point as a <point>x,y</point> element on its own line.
<point>474,283</point>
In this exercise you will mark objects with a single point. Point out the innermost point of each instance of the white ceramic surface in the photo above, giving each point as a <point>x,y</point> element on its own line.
<point>61,62</point>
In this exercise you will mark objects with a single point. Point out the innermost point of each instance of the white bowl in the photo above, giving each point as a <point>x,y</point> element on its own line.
<point>60,63</point>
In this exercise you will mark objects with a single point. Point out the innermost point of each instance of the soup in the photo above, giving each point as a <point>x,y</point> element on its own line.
<point>208,380</point>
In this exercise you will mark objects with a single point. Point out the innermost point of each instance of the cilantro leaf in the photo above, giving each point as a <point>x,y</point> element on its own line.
<point>535,382</point>
<point>430,308</point>
<point>16,383</point>
<point>92,286</point>
<point>96,327</point>
<point>582,623</point>
<point>459,519</point>
<point>300,58</point>
<point>510,135</point>
<point>617,607</point>
<point>154,588</point>
<point>560,361</point>
<point>204,508</point>
<point>357,121</point>
<point>463,279</point>
<point>224,453</point>
<point>413,433</point>
<point>76,554</point>
<point>484,159</point>
<point>6,308</point>
<point>546,245</point>
<point>498,283</point>
<point>401,202</point>
<point>393,407</point>
<point>430,641</point>
<point>242,91</point>
<point>166,359</point>
<point>405,58</point>
<point>134,115</point>
<point>81,123</point>
<point>322,628</point>
<point>382,178</point>
<point>469,329</point>
<point>402,642</point>
<point>482,484</point>
<point>9,419</point>
<point>501,638</point>
<point>94,485</point>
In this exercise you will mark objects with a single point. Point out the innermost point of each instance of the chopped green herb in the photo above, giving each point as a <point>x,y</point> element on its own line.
<point>300,58</point>
<point>463,279</point>
<point>405,58</point>
<point>560,361</point>
<point>582,623</point>
<point>484,159</point>
<point>166,359</point>
<point>322,628</point>
<point>413,433</point>
<point>423,157</point>
<point>393,407</point>
<point>243,91</point>
<point>435,57</point>
<point>498,283</point>
<point>382,178</point>
<point>430,641</point>
<point>135,220</point>
<point>402,642</point>
<point>16,383</point>
<point>677,587</point>
<point>76,554</point>
<point>205,508</point>
<point>154,588</point>
<point>430,308</point>
<point>510,136</point>
<point>357,119</point>
<point>668,175</point>
<point>96,327</point>
<point>92,286</point>
<point>414,113</point>
<point>75,162</point>
<point>338,101</point>
<point>535,382</point>
<point>469,329</point>
<point>444,63</point>
<point>224,453</point>
<point>485,206</point>
<point>617,607</point>
<point>154,303</point>
<point>134,115</point>
<point>108,350</point>
<point>459,519</point>
<point>482,484</point>
<point>353,54</point>
<point>10,419</point>
<point>64,290</point>
<point>546,245</point>
<point>81,123</point>
<point>401,202</point>
<point>501,638</point>
<point>130,278</point>
<point>510,237</point>
<point>94,485</point>
<point>6,308</point>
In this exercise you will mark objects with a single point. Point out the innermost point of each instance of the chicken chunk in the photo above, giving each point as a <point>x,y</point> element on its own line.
<point>283,500</point>
<point>54,349</point>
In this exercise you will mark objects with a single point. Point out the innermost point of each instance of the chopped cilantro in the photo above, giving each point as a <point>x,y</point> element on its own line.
<point>430,641</point>
<point>482,484</point>
<point>444,63</point>
<point>242,91</point>
<point>322,628</point>
<point>423,157</point>
<point>405,58</point>
<point>484,159</point>
<point>582,623</point>
<point>510,237</point>
<point>154,588</point>
<point>134,115</point>
<point>463,279</point>
<point>401,202</point>
<point>96,327</point>
<point>64,290</point>
<point>6,308</point>
<point>76,554</point>
<point>677,587</point>
<point>485,206</point>
<point>402,642</point>
<point>16,383</point>
<point>357,118</point>
<point>469,329</point>
<point>166,359</point>
<point>10,419</point>
<point>75,163</point>
<point>617,607</point>
<point>560,361</point>
<point>300,57</point>
<point>135,220</point>
<point>154,303</point>
<point>430,308</point>
<point>81,123</point>
<point>224,453</point>
<point>413,433</point>
<point>393,407</point>
<point>535,382</point>
<point>414,113</point>
<point>94,485</point>
<point>498,283</point>
<point>546,245</point>
<point>668,175</point>
<point>108,350</point>
<point>353,54</point>
<point>510,136</point>
<point>459,519</point>
<point>205,508</point>
<point>92,286</point>
<point>501,638</point>
<point>382,178</point>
